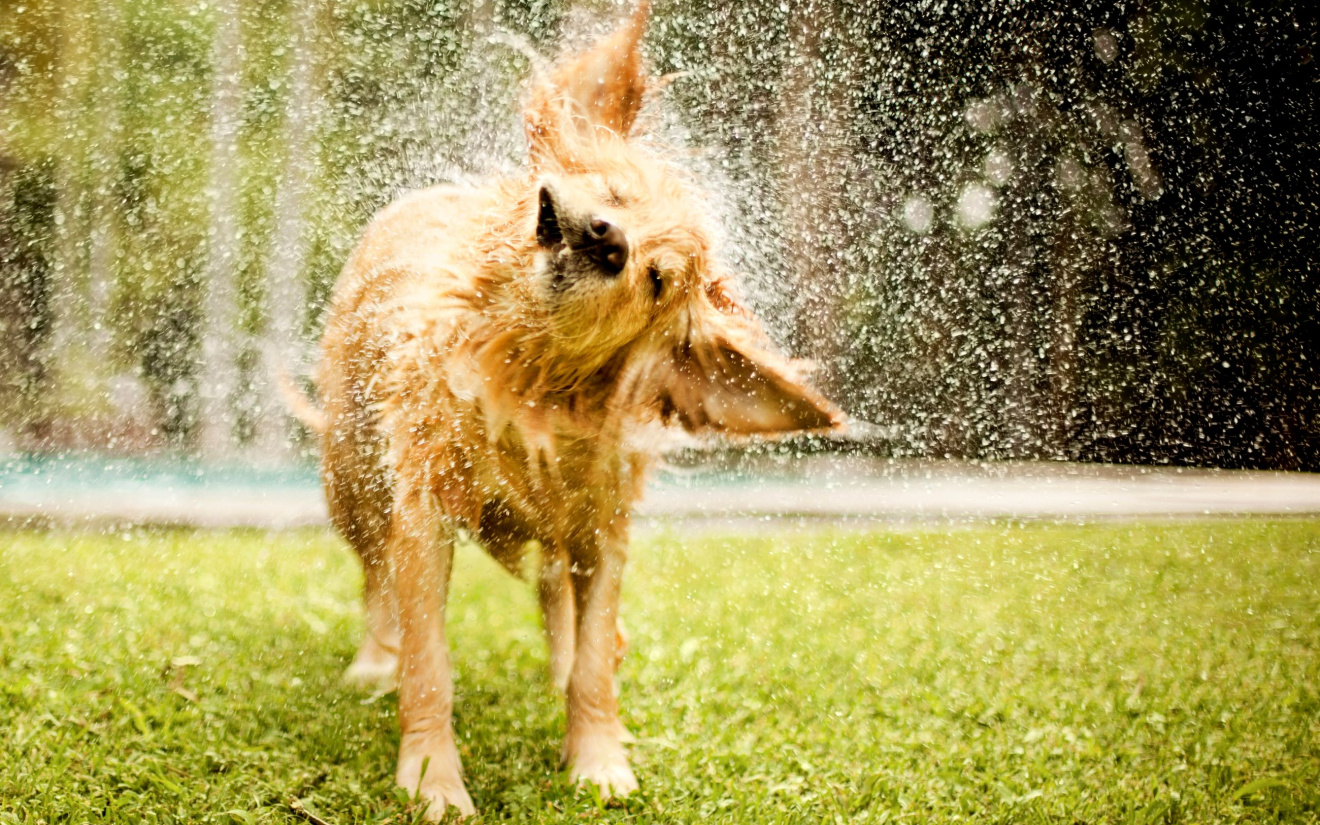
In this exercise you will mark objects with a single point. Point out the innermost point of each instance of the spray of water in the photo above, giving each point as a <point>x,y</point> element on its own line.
<point>1032,231</point>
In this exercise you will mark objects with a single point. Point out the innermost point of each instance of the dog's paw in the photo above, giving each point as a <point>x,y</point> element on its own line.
<point>615,779</point>
<point>439,801</point>
<point>373,668</point>
<point>602,762</point>
<point>429,768</point>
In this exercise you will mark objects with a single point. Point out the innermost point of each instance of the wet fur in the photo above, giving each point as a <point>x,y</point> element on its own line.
<point>472,378</point>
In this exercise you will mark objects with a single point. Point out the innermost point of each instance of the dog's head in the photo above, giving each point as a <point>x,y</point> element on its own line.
<point>623,270</point>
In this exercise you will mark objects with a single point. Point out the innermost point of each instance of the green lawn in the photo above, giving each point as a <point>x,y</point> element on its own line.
<point>1122,673</point>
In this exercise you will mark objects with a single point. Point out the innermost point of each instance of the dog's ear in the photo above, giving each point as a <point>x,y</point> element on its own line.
<point>601,88</point>
<point>714,382</point>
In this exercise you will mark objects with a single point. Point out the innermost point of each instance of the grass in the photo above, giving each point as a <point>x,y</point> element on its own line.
<point>1135,673</point>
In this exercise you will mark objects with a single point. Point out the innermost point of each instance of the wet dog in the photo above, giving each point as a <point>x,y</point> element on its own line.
<point>491,360</point>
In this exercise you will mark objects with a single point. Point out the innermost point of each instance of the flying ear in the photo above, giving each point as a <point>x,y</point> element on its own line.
<point>601,88</point>
<point>716,384</point>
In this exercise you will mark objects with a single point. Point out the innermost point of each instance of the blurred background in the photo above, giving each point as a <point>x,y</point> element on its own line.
<point>1016,230</point>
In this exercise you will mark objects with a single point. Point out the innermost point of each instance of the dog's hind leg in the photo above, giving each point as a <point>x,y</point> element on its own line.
<point>422,547</point>
<point>376,662</point>
<point>555,590</point>
<point>578,585</point>
<point>505,537</point>
<point>359,504</point>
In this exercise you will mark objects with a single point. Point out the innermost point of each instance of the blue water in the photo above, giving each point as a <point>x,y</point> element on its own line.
<point>28,478</point>
<point>23,476</point>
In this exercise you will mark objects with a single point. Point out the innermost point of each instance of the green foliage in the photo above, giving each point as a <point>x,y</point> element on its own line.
<point>1138,673</point>
<point>27,223</point>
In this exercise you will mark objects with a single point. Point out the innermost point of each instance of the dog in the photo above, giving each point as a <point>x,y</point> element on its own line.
<point>491,363</point>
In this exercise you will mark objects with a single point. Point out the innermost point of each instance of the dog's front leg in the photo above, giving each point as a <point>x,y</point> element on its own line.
<point>593,747</point>
<point>423,550</point>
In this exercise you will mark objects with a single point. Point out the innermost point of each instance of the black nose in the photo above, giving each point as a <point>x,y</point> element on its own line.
<point>605,244</point>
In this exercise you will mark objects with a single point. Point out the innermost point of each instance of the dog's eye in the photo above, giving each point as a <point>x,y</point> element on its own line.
<point>657,282</point>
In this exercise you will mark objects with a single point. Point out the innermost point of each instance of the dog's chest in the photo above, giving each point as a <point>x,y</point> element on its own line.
<point>580,476</point>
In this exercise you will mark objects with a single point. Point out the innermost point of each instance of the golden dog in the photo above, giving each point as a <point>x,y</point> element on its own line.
<point>489,360</point>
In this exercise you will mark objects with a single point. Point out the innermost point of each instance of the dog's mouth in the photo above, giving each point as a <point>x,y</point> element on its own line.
<point>578,247</point>
<point>549,234</point>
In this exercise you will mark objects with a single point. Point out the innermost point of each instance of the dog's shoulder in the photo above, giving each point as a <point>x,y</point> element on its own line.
<point>426,221</point>
<point>425,209</point>
<point>409,239</point>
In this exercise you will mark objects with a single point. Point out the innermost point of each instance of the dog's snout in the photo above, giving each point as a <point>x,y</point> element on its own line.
<point>606,245</point>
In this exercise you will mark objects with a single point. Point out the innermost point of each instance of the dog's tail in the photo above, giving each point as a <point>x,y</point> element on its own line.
<point>300,406</point>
